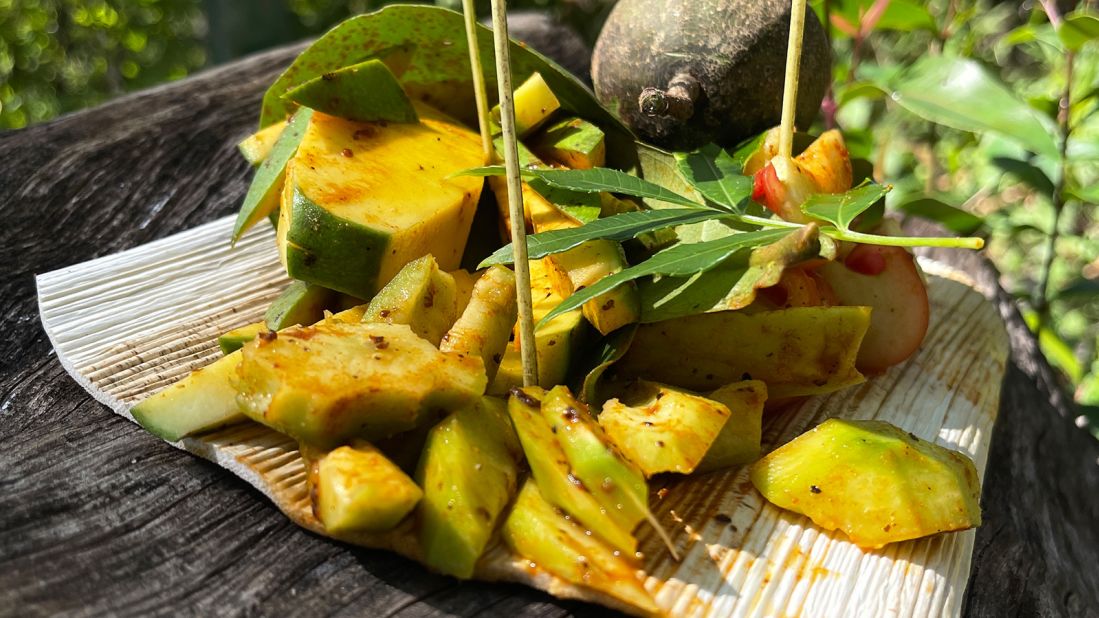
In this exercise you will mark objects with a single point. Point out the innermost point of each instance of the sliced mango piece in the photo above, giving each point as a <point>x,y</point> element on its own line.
<point>363,92</point>
<point>299,304</point>
<point>233,340</point>
<point>797,351</point>
<point>364,199</point>
<point>421,296</point>
<point>327,384</point>
<point>534,104</point>
<point>357,489</point>
<point>572,142</point>
<point>873,481</point>
<point>484,327</point>
<point>267,185</point>
<point>738,441</point>
<point>539,532</point>
<point>469,469</point>
<point>257,146</point>
<point>203,400</point>
<point>663,429</point>
<point>555,478</point>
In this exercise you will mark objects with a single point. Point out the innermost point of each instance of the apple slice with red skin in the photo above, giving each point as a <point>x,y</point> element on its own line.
<point>887,279</point>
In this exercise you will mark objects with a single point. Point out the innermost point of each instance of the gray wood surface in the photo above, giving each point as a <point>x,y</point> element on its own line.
<point>98,517</point>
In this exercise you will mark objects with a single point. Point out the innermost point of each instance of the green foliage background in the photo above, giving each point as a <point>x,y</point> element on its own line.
<point>1037,209</point>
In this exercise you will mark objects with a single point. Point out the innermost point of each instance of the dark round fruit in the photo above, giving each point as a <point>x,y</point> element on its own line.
<point>682,73</point>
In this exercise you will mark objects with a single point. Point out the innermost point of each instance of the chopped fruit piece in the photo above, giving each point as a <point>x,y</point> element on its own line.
<point>299,304</point>
<point>663,429</point>
<point>534,104</point>
<point>359,490</point>
<point>203,400</point>
<point>572,142</point>
<point>555,478</point>
<point>257,146</point>
<point>485,326</point>
<point>873,481</point>
<point>550,540</point>
<point>888,280</point>
<point>468,471</point>
<point>363,92</point>
<point>329,383</point>
<point>421,296</point>
<point>738,442</point>
<point>233,340</point>
<point>798,351</point>
<point>268,183</point>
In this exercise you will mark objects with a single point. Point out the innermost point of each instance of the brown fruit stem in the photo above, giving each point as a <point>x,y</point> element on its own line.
<point>677,102</point>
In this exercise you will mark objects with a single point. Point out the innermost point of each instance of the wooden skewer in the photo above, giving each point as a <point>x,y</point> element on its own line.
<point>515,193</point>
<point>479,92</point>
<point>793,72</point>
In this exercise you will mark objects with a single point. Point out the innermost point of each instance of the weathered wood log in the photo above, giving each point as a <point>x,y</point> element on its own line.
<point>98,517</point>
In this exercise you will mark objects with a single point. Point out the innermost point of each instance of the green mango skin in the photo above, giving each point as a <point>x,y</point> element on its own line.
<point>617,484</point>
<point>204,400</point>
<point>469,470</point>
<point>263,194</point>
<point>299,304</point>
<point>421,296</point>
<point>555,478</point>
<point>573,142</point>
<point>364,92</point>
<point>333,252</point>
<point>235,339</point>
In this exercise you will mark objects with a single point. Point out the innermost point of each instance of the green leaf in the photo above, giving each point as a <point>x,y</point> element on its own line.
<point>614,348</point>
<point>959,93</point>
<point>1081,289</point>
<point>1088,195</point>
<point>594,180</point>
<point>678,260</point>
<point>840,209</point>
<point>731,285</point>
<point>954,219</point>
<point>1056,350</point>
<point>618,227</point>
<point>1026,173</point>
<point>364,92</point>
<point>425,47</point>
<point>717,175</point>
<point>263,194</point>
<point>899,15</point>
<point>1077,30</point>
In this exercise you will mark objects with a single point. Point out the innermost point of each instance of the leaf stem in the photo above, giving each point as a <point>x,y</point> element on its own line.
<point>469,11</point>
<point>515,193</point>
<point>1041,300</point>
<point>793,72</point>
<point>964,242</point>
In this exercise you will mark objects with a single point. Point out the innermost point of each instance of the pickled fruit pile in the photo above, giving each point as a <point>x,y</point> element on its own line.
<point>675,310</point>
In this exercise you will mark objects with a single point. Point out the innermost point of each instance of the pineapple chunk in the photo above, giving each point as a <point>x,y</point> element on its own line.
<point>738,442</point>
<point>664,429</point>
<point>468,469</point>
<point>873,481</point>
<point>421,296</point>
<point>537,531</point>
<point>359,489</point>
<point>332,382</point>
<point>484,327</point>
<point>554,474</point>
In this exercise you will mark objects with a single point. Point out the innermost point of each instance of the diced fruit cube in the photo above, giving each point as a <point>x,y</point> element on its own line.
<point>358,489</point>
<point>300,304</point>
<point>203,400</point>
<point>421,296</point>
<point>572,142</point>
<point>364,199</point>
<point>484,327</point>
<point>872,481</point>
<point>330,383</point>
<point>534,104</point>
<point>468,471</point>
<point>539,532</point>
<point>663,429</point>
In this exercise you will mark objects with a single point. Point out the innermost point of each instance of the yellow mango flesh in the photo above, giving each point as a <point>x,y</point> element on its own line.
<point>359,489</point>
<point>256,146</point>
<point>483,329</point>
<point>421,296</point>
<point>873,481</point>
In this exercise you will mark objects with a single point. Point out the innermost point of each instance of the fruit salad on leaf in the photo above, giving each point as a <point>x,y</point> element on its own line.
<point>674,312</point>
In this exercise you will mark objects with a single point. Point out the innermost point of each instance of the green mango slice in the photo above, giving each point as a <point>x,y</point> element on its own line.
<point>364,92</point>
<point>263,195</point>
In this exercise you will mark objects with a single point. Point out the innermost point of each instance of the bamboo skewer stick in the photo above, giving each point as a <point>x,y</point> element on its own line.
<point>515,193</point>
<point>479,92</point>
<point>793,73</point>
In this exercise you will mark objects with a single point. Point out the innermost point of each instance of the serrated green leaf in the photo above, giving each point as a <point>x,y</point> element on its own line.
<point>263,194</point>
<point>678,260</point>
<point>717,175</point>
<point>840,209</point>
<point>1077,30</point>
<point>954,219</point>
<point>731,285</point>
<point>594,180</point>
<point>618,227</point>
<point>960,93</point>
